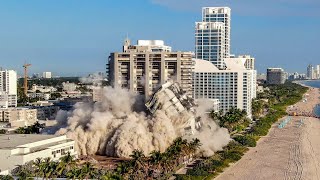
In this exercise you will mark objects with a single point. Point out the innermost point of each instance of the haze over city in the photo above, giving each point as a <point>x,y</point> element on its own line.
<point>74,38</point>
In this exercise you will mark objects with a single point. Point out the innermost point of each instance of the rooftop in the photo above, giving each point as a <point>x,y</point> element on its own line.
<point>233,64</point>
<point>11,141</point>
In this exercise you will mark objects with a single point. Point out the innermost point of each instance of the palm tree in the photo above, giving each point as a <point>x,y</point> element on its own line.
<point>6,177</point>
<point>88,171</point>
<point>138,157</point>
<point>37,163</point>
<point>73,173</point>
<point>23,172</point>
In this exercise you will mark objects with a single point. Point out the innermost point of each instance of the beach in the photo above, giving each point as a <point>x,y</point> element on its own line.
<point>291,152</point>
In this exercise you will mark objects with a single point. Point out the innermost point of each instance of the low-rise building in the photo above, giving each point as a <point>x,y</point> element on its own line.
<point>18,149</point>
<point>18,117</point>
<point>42,89</point>
<point>44,96</point>
<point>46,112</point>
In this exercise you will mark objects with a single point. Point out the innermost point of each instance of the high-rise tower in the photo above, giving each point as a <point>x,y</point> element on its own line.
<point>220,14</point>
<point>212,35</point>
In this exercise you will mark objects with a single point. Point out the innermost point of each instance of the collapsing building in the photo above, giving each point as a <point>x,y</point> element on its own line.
<point>169,98</point>
<point>118,124</point>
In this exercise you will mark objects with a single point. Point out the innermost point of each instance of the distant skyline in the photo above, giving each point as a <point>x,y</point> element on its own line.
<point>75,37</point>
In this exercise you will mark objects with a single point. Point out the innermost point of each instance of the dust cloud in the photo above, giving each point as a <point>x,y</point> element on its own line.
<point>117,125</point>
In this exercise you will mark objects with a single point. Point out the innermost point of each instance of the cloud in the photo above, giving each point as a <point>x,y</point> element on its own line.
<point>250,7</point>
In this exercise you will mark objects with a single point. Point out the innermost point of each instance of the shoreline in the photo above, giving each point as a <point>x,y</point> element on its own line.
<point>317,115</point>
<point>283,153</point>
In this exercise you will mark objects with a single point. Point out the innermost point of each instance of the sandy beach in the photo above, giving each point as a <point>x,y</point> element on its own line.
<point>292,152</point>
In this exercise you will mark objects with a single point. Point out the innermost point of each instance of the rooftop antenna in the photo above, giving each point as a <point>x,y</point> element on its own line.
<point>127,41</point>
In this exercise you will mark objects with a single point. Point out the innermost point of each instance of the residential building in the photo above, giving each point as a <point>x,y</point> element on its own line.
<point>210,42</point>
<point>8,88</point>
<point>223,15</point>
<point>144,67</point>
<point>317,72</point>
<point>276,76</point>
<point>310,72</point>
<point>233,87</point>
<point>46,112</point>
<point>47,75</point>
<point>18,117</point>
<point>40,96</point>
<point>249,64</point>
<point>42,89</point>
<point>18,149</point>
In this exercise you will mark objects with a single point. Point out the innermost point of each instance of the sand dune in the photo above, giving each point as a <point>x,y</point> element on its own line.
<point>289,153</point>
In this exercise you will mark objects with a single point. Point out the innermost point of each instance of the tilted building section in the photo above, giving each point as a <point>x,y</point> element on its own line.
<point>172,100</point>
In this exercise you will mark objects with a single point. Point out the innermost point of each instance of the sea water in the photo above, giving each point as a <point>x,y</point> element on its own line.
<point>311,83</point>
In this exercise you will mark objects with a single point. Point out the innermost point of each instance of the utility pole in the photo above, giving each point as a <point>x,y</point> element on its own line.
<point>25,84</point>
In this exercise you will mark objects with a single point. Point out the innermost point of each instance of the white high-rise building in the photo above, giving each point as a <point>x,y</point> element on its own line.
<point>210,42</point>
<point>234,87</point>
<point>317,71</point>
<point>47,75</point>
<point>8,88</point>
<point>220,14</point>
<point>310,72</point>
<point>221,76</point>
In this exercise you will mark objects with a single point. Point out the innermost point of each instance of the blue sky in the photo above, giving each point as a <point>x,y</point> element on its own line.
<point>75,37</point>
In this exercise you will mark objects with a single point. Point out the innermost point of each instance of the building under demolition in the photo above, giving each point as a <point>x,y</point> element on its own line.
<point>172,100</point>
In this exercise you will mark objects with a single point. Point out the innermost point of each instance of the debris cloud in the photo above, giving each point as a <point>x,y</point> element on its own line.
<point>116,125</point>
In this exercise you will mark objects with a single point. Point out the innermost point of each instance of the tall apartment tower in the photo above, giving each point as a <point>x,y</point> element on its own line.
<point>310,72</point>
<point>144,67</point>
<point>220,14</point>
<point>210,40</point>
<point>317,71</point>
<point>218,74</point>
<point>8,88</point>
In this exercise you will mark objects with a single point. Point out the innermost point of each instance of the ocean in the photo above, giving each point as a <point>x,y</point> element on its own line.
<point>312,83</point>
<point>315,84</point>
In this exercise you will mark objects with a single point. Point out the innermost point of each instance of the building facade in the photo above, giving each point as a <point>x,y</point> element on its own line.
<point>18,117</point>
<point>249,63</point>
<point>18,149</point>
<point>233,87</point>
<point>8,88</point>
<point>210,42</point>
<point>223,15</point>
<point>47,75</point>
<point>218,74</point>
<point>144,67</point>
<point>276,76</point>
